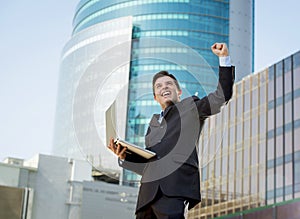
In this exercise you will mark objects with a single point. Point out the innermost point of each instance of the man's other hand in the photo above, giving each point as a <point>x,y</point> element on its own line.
<point>220,49</point>
<point>117,149</point>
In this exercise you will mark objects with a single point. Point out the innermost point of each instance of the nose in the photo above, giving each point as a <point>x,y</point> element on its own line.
<point>165,86</point>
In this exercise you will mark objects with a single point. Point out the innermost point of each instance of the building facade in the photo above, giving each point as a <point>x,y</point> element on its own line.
<point>93,74</point>
<point>249,153</point>
<point>54,187</point>
<point>283,143</point>
<point>49,186</point>
<point>174,35</point>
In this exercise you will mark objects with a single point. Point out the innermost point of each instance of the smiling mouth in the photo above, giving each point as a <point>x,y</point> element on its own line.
<point>166,94</point>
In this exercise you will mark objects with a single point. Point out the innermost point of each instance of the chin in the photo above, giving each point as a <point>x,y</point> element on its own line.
<point>168,102</point>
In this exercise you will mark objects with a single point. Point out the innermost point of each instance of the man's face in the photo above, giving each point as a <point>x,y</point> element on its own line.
<point>166,91</point>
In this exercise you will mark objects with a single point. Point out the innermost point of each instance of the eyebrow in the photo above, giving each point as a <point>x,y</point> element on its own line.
<point>159,83</point>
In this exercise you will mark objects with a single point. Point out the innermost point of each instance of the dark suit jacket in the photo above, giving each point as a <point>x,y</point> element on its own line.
<point>175,169</point>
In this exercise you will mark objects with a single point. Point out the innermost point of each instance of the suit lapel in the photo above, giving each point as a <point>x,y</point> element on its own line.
<point>167,110</point>
<point>154,120</point>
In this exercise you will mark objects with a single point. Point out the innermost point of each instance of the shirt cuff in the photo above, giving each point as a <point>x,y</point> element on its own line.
<point>225,61</point>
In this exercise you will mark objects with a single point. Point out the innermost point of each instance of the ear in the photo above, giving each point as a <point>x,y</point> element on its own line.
<point>154,97</point>
<point>179,92</point>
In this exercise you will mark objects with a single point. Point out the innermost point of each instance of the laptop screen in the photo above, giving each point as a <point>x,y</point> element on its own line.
<point>110,117</point>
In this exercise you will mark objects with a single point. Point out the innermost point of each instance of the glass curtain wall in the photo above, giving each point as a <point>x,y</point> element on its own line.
<point>250,153</point>
<point>197,24</point>
<point>233,152</point>
<point>283,150</point>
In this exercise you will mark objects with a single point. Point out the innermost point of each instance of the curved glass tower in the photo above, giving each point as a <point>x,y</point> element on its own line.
<point>172,35</point>
<point>195,23</point>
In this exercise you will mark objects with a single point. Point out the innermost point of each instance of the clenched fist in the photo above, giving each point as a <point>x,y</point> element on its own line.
<point>220,49</point>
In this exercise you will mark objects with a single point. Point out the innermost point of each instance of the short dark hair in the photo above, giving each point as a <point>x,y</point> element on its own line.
<point>162,74</point>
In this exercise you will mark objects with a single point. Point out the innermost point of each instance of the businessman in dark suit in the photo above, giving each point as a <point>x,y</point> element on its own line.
<point>170,183</point>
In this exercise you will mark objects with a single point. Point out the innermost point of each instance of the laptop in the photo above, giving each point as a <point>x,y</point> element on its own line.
<point>110,117</point>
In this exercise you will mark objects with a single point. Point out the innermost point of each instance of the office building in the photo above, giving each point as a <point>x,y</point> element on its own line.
<point>249,153</point>
<point>54,187</point>
<point>88,85</point>
<point>173,35</point>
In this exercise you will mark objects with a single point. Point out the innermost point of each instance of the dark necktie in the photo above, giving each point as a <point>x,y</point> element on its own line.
<point>161,116</point>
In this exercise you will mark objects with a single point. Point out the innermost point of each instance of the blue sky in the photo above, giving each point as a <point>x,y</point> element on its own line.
<point>32,36</point>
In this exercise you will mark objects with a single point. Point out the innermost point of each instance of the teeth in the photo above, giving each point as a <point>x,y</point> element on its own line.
<point>166,93</point>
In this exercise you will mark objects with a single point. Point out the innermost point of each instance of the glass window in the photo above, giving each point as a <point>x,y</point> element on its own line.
<point>262,94</point>
<point>279,193</point>
<point>218,167</point>
<point>239,113</point>
<point>246,184</point>
<point>254,157</point>
<point>296,108</point>
<point>279,176</point>
<point>271,149</point>
<point>263,78</point>
<point>279,69</point>
<point>247,102</point>
<point>224,188</point>
<point>204,173</point>
<point>262,183</point>
<point>288,112</point>
<point>246,157</point>
<point>247,129</point>
<point>270,200</point>
<point>232,136</point>
<point>210,170</point>
<point>297,171</point>
<point>255,98</point>
<point>225,141</point>
<point>238,186</point>
<point>262,124</point>
<point>271,90</point>
<point>224,165</point>
<point>288,174</point>
<point>219,135</point>
<point>270,119</point>
<point>279,116</point>
<point>254,186</point>
<point>296,78</point>
<point>232,111</point>
<point>288,193</point>
<point>230,187</point>
<point>270,179</point>
<point>262,151</point>
<point>288,142</point>
<point>254,126</point>
<point>296,60</point>
<point>239,133</point>
<point>287,64</point>
<point>231,163</point>
<point>279,86</point>
<point>297,139</point>
<point>255,81</point>
<point>271,72</point>
<point>288,82</point>
<point>279,146</point>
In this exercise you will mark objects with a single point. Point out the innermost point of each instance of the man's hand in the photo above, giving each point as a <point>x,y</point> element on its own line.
<point>117,149</point>
<point>220,49</point>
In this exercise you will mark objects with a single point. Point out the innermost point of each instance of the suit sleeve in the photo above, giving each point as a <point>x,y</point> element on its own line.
<point>213,102</point>
<point>133,162</point>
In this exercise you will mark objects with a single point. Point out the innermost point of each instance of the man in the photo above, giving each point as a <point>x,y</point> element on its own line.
<point>170,182</point>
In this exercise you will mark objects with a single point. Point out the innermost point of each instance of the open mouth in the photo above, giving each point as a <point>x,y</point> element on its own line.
<point>166,93</point>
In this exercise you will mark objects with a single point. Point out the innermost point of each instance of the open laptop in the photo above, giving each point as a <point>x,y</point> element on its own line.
<point>110,117</point>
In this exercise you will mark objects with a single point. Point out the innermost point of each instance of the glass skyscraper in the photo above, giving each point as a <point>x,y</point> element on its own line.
<point>173,35</point>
